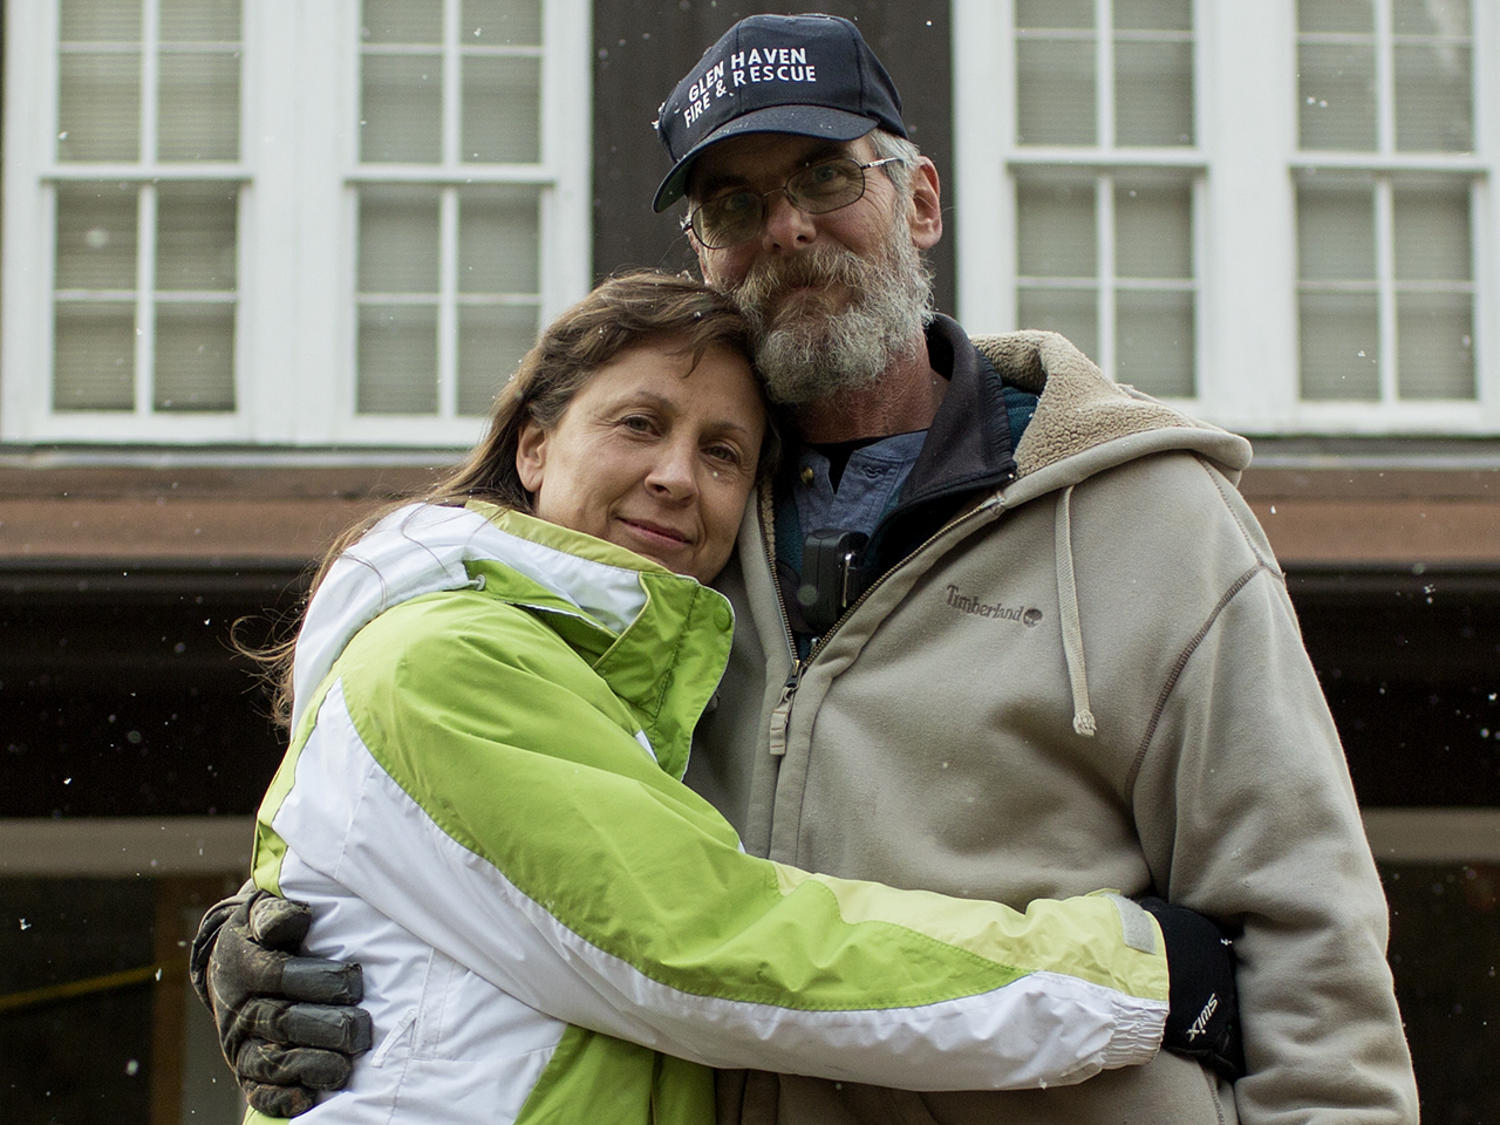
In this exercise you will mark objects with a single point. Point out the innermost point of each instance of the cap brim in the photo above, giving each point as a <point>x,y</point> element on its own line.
<point>798,120</point>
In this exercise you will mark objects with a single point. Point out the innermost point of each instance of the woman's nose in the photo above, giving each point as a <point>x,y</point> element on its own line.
<point>674,472</point>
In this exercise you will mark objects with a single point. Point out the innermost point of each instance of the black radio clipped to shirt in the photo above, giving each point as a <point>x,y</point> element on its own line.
<point>830,575</point>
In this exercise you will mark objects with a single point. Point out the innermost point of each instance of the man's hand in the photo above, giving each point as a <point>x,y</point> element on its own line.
<point>1203,1021</point>
<point>287,1024</point>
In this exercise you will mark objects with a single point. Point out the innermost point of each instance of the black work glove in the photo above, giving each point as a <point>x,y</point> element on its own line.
<point>286,1023</point>
<point>1203,1020</point>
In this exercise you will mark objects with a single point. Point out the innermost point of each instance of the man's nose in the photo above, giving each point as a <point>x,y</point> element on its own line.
<point>786,226</point>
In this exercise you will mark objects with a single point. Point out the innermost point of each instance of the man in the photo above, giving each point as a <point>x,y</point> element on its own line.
<point>1063,658</point>
<point>1006,630</point>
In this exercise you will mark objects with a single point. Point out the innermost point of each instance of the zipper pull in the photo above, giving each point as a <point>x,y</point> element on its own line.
<point>781,716</point>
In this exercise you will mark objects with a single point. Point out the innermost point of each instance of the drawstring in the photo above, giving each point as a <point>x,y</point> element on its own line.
<point>1072,627</point>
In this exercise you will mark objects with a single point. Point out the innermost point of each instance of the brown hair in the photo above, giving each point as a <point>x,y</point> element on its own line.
<point>625,311</point>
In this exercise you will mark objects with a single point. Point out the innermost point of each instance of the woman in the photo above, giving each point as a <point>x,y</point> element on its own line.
<point>492,701</point>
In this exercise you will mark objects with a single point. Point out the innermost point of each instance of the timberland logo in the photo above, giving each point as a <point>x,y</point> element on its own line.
<point>967,603</point>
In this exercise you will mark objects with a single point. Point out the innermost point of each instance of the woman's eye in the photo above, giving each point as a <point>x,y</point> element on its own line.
<point>727,454</point>
<point>638,423</point>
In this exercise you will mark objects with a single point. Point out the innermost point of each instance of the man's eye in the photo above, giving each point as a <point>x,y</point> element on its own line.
<point>638,423</point>
<point>821,175</point>
<point>737,204</point>
<point>827,180</point>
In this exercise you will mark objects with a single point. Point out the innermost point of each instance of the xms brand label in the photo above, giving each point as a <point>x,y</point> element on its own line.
<point>968,603</point>
<point>1200,1025</point>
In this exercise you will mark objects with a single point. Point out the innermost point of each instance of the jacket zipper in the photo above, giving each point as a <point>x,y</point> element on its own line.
<point>781,714</point>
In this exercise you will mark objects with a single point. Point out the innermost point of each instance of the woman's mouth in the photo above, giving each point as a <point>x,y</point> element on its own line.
<point>656,534</point>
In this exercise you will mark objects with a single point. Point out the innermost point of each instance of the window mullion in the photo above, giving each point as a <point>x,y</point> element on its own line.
<point>1104,66</point>
<point>452,86</point>
<point>145,303</point>
<point>1104,221</point>
<point>150,81</point>
<point>447,311</point>
<point>1385,284</point>
<point>1385,79</point>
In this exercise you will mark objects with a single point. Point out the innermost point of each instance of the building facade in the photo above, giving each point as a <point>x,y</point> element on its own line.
<point>266,262</point>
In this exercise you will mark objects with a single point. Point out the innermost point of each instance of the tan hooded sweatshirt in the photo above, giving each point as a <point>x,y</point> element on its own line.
<point>1090,676</point>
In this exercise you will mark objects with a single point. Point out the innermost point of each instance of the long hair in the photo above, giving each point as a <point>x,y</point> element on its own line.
<point>625,311</point>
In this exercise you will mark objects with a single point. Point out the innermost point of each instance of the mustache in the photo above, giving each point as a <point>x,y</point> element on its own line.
<point>818,267</point>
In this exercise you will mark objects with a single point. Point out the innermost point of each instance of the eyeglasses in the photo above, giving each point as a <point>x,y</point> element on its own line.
<point>727,220</point>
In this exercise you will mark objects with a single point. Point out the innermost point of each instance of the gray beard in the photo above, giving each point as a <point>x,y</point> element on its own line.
<point>806,349</point>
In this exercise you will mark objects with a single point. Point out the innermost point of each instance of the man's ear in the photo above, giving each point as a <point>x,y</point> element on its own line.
<point>926,205</point>
<point>531,456</point>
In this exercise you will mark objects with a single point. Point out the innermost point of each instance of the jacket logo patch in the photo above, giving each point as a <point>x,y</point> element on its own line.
<point>967,603</point>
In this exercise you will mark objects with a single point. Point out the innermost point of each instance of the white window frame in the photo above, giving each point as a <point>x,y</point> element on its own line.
<point>1245,163</point>
<point>295,334</point>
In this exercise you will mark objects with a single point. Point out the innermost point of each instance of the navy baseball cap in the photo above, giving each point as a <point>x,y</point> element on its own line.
<point>810,75</point>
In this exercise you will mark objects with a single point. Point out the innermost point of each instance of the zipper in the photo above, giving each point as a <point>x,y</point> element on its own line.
<point>781,714</point>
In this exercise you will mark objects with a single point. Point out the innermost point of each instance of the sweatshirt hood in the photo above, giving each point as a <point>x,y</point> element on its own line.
<point>1084,423</point>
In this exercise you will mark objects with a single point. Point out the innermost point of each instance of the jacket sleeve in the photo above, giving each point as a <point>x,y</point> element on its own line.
<point>481,788</point>
<point>1247,812</point>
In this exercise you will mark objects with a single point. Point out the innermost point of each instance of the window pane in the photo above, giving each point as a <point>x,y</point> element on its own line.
<point>1430,17</point>
<point>1339,333</point>
<point>94,359</point>
<point>1055,104</point>
<point>502,110</point>
<point>1336,234</point>
<point>200,107</point>
<point>200,21</point>
<point>1073,312</point>
<point>194,357</point>
<point>1074,14</point>
<point>1436,346</point>
<point>1154,93</point>
<point>403,21</point>
<point>1434,87</point>
<point>1154,15</point>
<point>195,237</point>
<point>1154,338</point>
<point>397,360</point>
<point>1056,229</point>
<point>96,236</point>
<point>99,107</point>
<point>398,240</point>
<point>499,247</point>
<point>1336,96</point>
<point>1336,15</point>
<point>512,23</point>
<point>491,341</point>
<point>1432,235</point>
<point>402,109</point>
<point>1153,230</point>
<point>99,21</point>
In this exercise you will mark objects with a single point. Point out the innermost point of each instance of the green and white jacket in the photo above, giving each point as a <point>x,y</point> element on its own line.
<point>482,805</point>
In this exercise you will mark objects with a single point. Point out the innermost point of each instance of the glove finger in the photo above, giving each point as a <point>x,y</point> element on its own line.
<point>278,1101</point>
<point>273,1064</point>
<point>278,923</point>
<point>342,1029</point>
<point>240,968</point>
<point>320,981</point>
